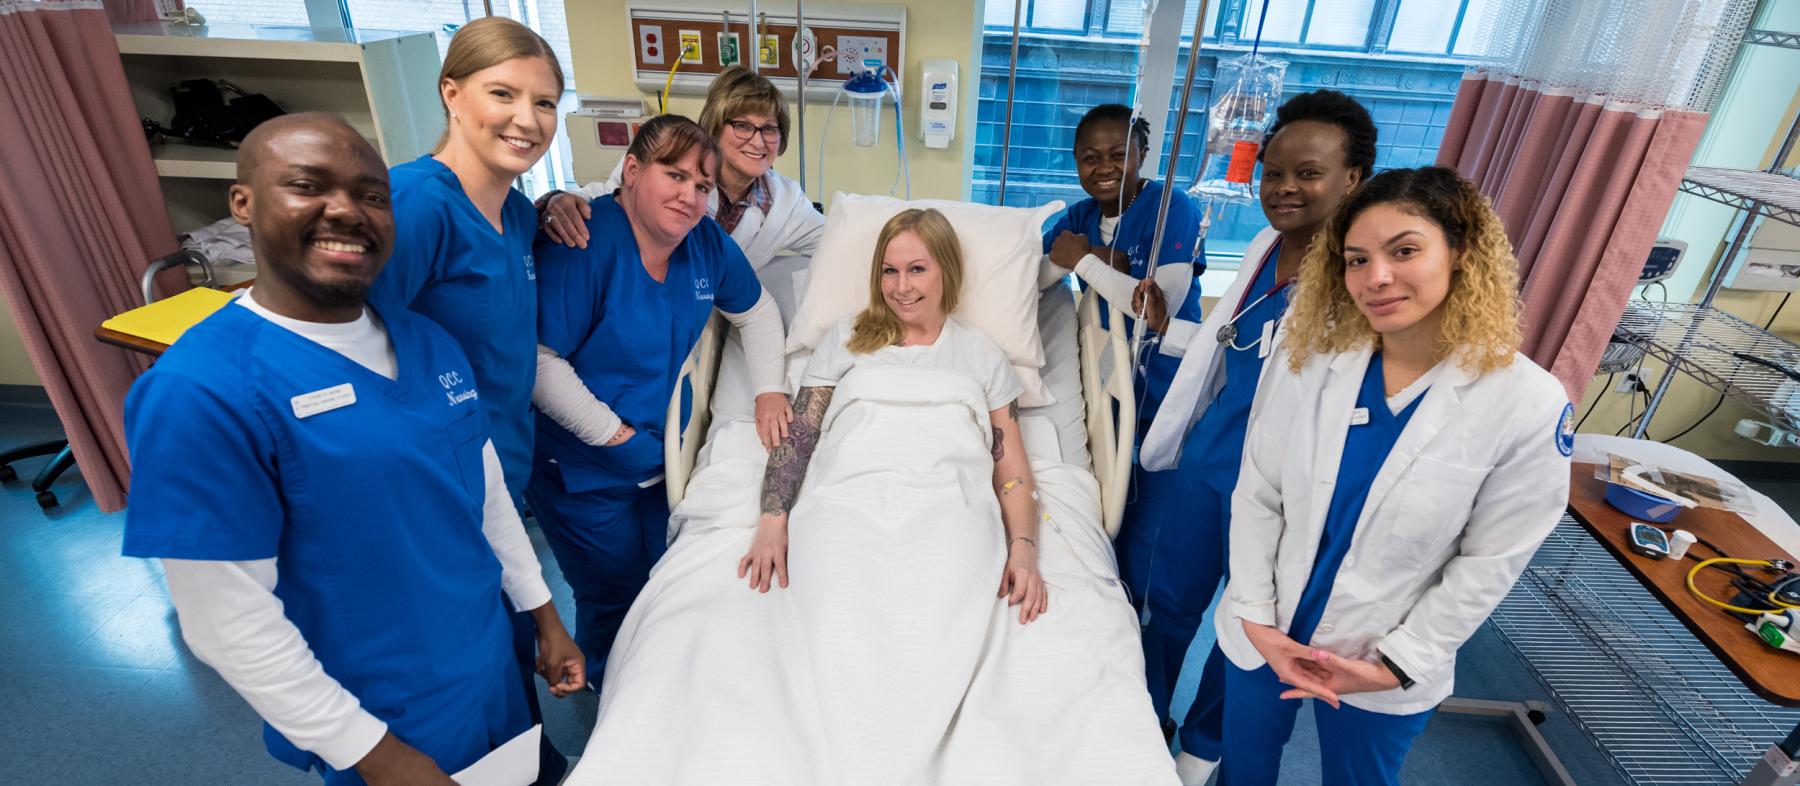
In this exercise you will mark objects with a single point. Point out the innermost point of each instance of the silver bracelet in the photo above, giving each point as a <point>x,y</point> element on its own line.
<point>1017,538</point>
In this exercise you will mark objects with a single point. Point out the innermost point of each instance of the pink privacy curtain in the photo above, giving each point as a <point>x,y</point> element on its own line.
<point>81,215</point>
<point>1583,186</point>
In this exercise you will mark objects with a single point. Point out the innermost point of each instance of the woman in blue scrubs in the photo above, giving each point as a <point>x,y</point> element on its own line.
<point>1106,239</point>
<point>616,320</point>
<point>1405,461</point>
<point>463,255</point>
<point>1173,541</point>
<point>462,252</point>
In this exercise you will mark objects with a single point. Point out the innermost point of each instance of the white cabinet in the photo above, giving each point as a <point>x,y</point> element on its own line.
<point>383,82</point>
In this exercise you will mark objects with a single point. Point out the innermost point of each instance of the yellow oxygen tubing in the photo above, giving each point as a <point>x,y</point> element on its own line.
<point>662,101</point>
<point>1760,563</point>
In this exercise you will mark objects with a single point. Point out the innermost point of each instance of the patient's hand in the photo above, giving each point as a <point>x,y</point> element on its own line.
<point>773,414</point>
<point>1020,582</point>
<point>767,558</point>
<point>1068,249</point>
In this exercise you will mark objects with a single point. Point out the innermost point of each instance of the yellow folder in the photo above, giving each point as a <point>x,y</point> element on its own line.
<point>166,319</point>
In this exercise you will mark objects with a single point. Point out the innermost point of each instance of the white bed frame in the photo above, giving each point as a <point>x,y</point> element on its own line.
<point>1111,407</point>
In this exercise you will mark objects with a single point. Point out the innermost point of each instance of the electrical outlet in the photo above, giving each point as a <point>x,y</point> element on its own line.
<point>1630,383</point>
<point>650,44</point>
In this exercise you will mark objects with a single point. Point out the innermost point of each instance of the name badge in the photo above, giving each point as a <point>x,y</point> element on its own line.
<point>1267,342</point>
<point>1359,416</point>
<point>307,405</point>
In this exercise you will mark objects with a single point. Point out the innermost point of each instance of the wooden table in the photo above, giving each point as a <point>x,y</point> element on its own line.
<point>140,344</point>
<point>128,341</point>
<point>1772,674</point>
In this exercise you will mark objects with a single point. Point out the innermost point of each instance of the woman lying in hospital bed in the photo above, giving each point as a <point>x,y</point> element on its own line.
<point>933,615</point>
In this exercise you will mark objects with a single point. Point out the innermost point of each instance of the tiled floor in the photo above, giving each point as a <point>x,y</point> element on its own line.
<point>99,688</point>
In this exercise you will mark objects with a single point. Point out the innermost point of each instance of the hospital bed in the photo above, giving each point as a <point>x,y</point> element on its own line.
<point>1061,701</point>
<point>1087,368</point>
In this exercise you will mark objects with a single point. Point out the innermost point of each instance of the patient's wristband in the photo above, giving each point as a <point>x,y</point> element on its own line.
<point>1405,681</point>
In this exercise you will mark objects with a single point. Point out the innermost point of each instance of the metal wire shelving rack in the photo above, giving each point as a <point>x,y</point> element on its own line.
<point>1704,342</point>
<point>1628,674</point>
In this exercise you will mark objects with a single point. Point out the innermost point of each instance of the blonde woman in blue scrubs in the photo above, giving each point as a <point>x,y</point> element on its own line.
<point>463,237</point>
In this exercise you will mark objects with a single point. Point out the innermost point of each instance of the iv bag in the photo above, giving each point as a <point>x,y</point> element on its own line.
<point>1249,90</point>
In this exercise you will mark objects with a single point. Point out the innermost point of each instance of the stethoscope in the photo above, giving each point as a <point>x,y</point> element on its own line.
<point>1228,332</point>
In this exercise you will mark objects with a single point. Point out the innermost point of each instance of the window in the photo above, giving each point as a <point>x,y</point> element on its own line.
<point>443,17</point>
<point>252,12</point>
<point>1327,45</point>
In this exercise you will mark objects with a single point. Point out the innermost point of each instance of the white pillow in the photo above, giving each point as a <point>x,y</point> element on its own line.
<point>1002,247</point>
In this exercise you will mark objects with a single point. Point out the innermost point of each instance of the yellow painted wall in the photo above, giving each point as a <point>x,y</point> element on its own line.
<point>15,365</point>
<point>601,45</point>
<point>1687,399</point>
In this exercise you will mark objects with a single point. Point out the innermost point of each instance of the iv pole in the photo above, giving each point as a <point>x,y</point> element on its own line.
<point>1162,208</point>
<point>800,66</point>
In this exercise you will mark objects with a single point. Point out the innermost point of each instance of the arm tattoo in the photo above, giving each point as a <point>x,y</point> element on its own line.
<point>788,461</point>
<point>1012,411</point>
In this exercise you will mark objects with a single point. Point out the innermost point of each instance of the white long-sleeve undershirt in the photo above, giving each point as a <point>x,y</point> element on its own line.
<point>1118,288</point>
<point>233,622</point>
<point>564,398</point>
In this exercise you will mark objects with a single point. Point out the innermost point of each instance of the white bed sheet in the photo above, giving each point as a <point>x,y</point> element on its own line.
<point>1065,700</point>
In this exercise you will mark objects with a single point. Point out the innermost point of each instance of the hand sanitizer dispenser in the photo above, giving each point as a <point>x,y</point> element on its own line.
<point>937,101</point>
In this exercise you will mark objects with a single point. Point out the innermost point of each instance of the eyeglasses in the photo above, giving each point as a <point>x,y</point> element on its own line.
<point>743,130</point>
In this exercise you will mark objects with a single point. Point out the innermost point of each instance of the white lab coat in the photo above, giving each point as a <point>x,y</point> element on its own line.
<point>791,225</point>
<point>1201,373</point>
<point>1474,484</point>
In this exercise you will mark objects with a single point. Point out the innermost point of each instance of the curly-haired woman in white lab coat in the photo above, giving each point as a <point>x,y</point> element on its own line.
<point>1398,474</point>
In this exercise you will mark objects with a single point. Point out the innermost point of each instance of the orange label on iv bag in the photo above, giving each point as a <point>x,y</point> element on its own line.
<point>1243,162</point>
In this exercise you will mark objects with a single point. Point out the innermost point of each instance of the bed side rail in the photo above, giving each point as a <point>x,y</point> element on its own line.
<point>1111,404</point>
<point>681,446</point>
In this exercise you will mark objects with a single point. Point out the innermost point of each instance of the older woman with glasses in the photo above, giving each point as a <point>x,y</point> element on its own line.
<point>765,212</point>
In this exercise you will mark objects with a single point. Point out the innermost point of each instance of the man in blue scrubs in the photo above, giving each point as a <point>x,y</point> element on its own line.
<point>347,559</point>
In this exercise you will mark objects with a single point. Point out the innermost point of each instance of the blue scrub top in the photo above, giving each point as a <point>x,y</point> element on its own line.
<point>373,511</point>
<point>1134,236</point>
<point>627,334</point>
<point>1366,448</point>
<point>450,265</point>
<point>1215,445</point>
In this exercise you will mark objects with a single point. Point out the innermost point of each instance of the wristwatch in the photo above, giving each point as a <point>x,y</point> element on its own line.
<point>1405,681</point>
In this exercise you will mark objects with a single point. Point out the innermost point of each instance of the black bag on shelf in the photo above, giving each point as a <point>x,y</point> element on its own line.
<point>204,117</point>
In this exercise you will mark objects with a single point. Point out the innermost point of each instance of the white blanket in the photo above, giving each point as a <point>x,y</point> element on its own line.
<point>888,660</point>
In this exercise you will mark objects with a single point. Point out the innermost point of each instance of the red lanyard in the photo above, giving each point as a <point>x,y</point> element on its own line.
<point>1243,303</point>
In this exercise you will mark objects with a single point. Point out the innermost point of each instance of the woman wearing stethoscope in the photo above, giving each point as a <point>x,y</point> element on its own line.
<point>1404,461</point>
<point>1321,146</point>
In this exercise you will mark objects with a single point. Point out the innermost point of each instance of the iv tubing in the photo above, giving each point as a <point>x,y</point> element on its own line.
<point>905,167</point>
